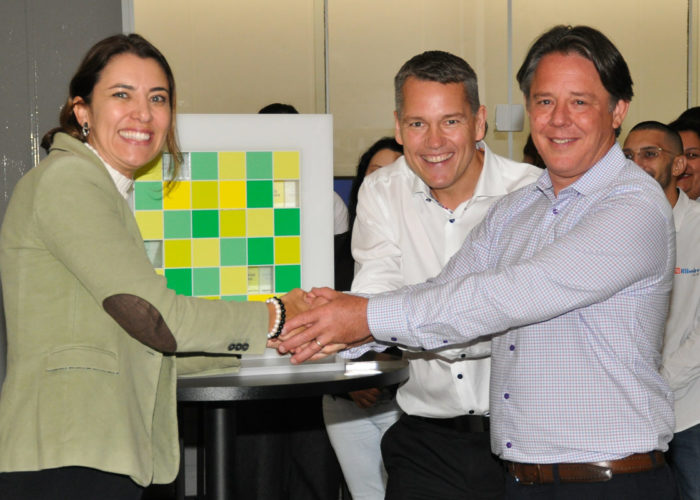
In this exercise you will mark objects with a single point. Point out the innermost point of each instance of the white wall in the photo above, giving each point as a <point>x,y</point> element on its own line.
<point>235,56</point>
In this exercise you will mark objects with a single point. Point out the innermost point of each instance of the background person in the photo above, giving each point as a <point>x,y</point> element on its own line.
<point>659,151</point>
<point>88,407</point>
<point>688,127</point>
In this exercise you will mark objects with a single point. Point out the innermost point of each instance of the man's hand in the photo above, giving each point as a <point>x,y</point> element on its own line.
<point>365,398</point>
<point>337,321</point>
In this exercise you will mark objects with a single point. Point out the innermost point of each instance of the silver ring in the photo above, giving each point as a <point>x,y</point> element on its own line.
<point>318,343</point>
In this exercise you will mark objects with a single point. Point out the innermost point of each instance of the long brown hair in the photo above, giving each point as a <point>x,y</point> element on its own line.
<point>83,83</point>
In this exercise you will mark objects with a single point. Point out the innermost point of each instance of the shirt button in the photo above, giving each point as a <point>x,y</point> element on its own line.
<point>462,355</point>
<point>506,395</point>
<point>471,412</point>
<point>460,376</point>
<point>452,220</point>
<point>555,210</point>
<point>512,347</point>
<point>509,444</point>
<point>445,341</point>
<point>393,339</point>
<point>231,347</point>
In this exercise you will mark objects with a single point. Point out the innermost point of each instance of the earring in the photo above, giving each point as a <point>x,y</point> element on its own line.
<point>86,130</point>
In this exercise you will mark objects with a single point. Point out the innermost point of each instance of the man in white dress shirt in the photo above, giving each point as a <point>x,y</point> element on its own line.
<point>659,151</point>
<point>412,216</point>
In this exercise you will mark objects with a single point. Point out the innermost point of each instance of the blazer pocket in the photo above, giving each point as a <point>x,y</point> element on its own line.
<point>82,357</point>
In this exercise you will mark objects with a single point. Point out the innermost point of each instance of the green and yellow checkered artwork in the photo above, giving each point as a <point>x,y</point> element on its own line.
<point>228,228</point>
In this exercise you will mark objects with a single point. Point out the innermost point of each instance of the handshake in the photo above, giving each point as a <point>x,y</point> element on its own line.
<point>321,322</point>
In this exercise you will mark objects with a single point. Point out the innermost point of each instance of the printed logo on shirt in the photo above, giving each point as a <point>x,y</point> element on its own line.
<point>687,270</point>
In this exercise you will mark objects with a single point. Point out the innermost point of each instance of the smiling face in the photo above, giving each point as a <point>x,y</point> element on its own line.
<point>571,120</point>
<point>129,114</point>
<point>689,181</point>
<point>656,154</point>
<point>439,132</point>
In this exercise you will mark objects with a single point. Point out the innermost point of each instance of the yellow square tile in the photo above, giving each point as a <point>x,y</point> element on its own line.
<point>150,223</point>
<point>178,196</point>
<point>232,165</point>
<point>152,171</point>
<point>205,194</point>
<point>286,164</point>
<point>232,223</point>
<point>232,194</point>
<point>234,280</point>
<point>259,298</point>
<point>287,250</point>
<point>261,222</point>
<point>178,253</point>
<point>205,252</point>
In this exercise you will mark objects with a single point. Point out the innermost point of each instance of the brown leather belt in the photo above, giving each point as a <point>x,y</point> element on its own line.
<point>584,472</point>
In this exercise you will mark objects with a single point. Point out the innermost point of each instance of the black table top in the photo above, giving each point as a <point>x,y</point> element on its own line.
<point>358,375</point>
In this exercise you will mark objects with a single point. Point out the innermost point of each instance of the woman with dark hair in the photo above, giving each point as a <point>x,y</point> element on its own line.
<point>383,152</point>
<point>357,421</point>
<point>88,406</point>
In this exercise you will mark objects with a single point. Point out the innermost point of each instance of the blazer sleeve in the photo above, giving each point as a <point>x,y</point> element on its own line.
<point>88,227</point>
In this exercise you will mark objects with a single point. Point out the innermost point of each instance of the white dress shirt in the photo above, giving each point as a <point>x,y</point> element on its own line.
<point>681,354</point>
<point>124,184</point>
<point>402,236</point>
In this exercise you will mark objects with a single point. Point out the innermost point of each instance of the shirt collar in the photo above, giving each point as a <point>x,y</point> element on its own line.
<point>124,184</point>
<point>680,208</point>
<point>595,178</point>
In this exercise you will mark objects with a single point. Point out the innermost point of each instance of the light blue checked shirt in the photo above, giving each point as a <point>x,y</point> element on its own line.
<point>577,288</point>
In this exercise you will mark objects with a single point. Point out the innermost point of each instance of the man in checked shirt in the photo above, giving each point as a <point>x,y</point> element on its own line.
<point>571,276</point>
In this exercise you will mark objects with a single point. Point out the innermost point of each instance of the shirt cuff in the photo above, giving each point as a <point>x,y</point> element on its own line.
<point>385,317</point>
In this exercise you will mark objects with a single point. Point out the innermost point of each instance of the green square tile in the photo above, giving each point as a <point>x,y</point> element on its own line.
<point>259,194</point>
<point>287,278</point>
<point>287,222</point>
<point>205,166</point>
<point>177,224</point>
<point>179,280</point>
<point>260,251</point>
<point>148,195</point>
<point>233,252</point>
<point>258,164</point>
<point>206,281</point>
<point>205,223</point>
<point>235,298</point>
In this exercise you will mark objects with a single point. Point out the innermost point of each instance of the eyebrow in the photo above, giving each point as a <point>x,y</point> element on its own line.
<point>573,94</point>
<point>444,117</point>
<point>131,87</point>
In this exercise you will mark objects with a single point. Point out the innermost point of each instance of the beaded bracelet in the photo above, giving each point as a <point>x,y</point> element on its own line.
<point>281,316</point>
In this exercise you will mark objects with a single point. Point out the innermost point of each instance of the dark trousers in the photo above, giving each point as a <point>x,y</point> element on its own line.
<point>68,483</point>
<point>427,462</point>
<point>657,484</point>
<point>283,452</point>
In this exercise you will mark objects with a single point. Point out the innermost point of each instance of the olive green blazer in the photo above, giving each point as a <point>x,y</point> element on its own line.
<point>79,390</point>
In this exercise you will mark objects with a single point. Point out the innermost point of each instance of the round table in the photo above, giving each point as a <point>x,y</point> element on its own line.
<point>218,396</point>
